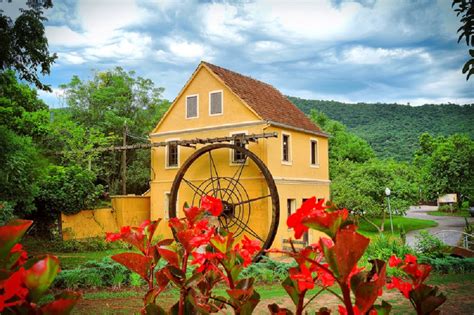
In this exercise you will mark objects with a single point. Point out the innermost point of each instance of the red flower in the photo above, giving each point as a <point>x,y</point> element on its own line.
<point>23,256</point>
<point>303,276</point>
<point>325,277</point>
<point>192,214</point>
<point>295,220</point>
<point>202,259</point>
<point>252,246</point>
<point>112,237</point>
<point>212,205</point>
<point>410,259</point>
<point>394,261</point>
<point>404,287</point>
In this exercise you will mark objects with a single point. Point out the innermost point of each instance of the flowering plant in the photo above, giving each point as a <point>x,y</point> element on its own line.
<point>214,253</point>
<point>330,261</point>
<point>24,281</point>
<point>424,298</point>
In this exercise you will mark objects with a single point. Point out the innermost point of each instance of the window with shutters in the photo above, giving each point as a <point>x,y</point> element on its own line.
<point>216,103</point>
<point>238,157</point>
<point>192,106</point>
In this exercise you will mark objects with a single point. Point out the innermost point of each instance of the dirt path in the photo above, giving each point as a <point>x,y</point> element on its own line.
<point>454,224</point>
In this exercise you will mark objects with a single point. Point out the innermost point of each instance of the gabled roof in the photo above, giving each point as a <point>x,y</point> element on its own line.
<point>265,100</point>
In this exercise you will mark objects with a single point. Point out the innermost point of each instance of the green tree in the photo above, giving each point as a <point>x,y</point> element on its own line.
<point>465,10</point>
<point>21,168</point>
<point>20,108</point>
<point>24,46</point>
<point>361,187</point>
<point>106,103</point>
<point>447,165</point>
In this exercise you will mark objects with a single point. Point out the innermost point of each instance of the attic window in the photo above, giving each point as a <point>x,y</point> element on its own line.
<point>192,106</point>
<point>215,103</point>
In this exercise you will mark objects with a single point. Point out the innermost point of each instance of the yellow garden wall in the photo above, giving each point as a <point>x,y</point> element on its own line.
<point>126,210</point>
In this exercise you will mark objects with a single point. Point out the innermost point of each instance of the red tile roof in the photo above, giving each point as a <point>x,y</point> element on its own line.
<point>265,100</point>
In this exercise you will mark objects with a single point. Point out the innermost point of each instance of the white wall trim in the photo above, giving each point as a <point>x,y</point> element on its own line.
<point>222,102</point>
<point>186,106</point>
<point>208,128</point>
<point>298,181</point>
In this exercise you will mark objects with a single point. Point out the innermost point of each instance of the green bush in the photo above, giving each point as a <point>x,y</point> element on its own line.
<point>449,264</point>
<point>67,190</point>
<point>105,273</point>
<point>93,244</point>
<point>382,247</point>
<point>267,270</point>
<point>465,205</point>
<point>429,245</point>
<point>448,208</point>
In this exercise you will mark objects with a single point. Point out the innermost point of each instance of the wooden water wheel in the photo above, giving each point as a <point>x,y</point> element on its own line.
<point>241,180</point>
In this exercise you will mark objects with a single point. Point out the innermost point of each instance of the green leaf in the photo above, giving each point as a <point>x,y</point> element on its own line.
<point>292,289</point>
<point>383,309</point>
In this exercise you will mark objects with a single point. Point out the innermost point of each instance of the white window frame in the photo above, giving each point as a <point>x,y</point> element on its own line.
<point>292,210</point>
<point>231,152</point>
<point>316,165</point>
<point>222,102</point>
<point>166,155</point>
<point>197,106</point>
<point>290,153</point>
<point>166,204</point>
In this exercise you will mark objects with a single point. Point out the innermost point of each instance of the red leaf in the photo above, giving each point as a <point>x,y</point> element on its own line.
<point>63,304</point>
<point>169,256</point>
<point>11,234</point>
<point>193,214</point>
<point>40,275</point>
<point>367,286</point>
<point>343,256</point>
<point>135,262</point>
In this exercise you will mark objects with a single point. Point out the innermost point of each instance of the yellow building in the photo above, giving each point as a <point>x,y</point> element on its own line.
<point>216,105</point>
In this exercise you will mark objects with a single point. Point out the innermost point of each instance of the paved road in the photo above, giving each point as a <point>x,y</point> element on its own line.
<point>444,223</point>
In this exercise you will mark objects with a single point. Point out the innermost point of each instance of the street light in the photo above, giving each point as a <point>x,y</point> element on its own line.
<point>387,193</point>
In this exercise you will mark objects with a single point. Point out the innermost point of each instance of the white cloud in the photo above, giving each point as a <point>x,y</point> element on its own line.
<point>362,55</point>
<point>127,45</point>
<point>71,58</point>
<point>222,22</point>
<point>178,50</point>
<point>64,36</point>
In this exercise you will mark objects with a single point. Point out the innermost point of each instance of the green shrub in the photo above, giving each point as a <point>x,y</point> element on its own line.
<point>6,211</point>
<point>449,264</point>
<point>448,208</point>
<point>136,280</point>
<point>382,247</point>
<point>464,205</point>
<point>267,270</point>
<point>105,273</point>
<point>429,245</point>
<point>93,244</point>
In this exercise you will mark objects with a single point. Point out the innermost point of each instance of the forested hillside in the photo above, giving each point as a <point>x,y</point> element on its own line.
<point>391,129</point>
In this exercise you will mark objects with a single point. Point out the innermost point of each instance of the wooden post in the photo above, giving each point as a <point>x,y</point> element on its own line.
<point>124,161</point>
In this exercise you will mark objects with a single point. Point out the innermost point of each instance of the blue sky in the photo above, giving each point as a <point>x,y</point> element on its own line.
<point>353,51</point>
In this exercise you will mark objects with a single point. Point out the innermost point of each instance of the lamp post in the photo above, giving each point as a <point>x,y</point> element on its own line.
<point>387,193</point>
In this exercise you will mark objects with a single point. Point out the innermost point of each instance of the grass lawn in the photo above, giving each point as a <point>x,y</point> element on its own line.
<point>458,289</point>
<point>450,214</point>
<point>409,224</point>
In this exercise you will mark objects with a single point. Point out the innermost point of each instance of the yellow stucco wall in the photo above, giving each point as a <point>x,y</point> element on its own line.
<point>296,181</point>
<point>88,223</point>
<point>126,210</point>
